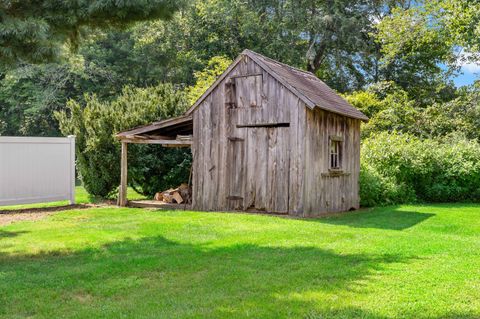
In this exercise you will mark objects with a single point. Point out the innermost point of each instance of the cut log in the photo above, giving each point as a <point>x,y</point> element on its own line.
<point>181,194</point>
<point>183,186</point>
<point>169,191</point>
<point>167,198</point>
<point>176,196</point>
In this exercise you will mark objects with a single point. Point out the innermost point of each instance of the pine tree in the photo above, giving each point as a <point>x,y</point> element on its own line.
<point>37,31</point>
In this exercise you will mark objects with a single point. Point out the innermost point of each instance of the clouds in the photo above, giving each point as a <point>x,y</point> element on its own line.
<point>471,67</point>
<point>469,62</point>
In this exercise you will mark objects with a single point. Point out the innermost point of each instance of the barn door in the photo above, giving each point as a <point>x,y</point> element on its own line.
<point>258,170</point>
<point>267,169</point>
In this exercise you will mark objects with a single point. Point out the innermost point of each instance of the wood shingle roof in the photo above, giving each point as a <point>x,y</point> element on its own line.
<point>308,86</point>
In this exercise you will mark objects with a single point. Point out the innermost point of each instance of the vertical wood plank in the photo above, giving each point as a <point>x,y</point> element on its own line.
<point>294,157</point>
<point>283,170</point>
<point>251,162</point>
<point>261,169</point>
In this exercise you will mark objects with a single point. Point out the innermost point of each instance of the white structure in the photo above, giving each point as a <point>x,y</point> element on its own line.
<point>37,169</point>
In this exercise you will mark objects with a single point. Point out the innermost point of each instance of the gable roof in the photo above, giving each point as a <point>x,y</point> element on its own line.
<point>310,89</point>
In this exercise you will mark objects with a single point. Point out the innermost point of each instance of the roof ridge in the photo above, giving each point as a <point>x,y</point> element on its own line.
<point>304,84</point>
<point>281,63</point>
<point>308,86</point>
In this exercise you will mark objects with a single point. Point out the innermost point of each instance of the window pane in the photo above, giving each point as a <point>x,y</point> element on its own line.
<point>335,156</point>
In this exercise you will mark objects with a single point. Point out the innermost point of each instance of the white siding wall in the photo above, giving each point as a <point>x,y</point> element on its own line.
<point>36,169</point>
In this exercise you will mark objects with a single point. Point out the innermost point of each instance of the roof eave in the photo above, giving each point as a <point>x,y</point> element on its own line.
<point>154,126</point>
<point>361,117</point>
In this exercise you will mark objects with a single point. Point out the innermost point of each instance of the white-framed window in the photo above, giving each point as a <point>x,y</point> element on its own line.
<point>335,152</point>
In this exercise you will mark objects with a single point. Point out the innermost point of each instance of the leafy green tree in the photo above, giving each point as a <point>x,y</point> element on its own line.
<point>366,101</point>
<point>398,113</point>
<point>459,20</point>
<point>205,78</point>
<point>391,109</point>
<point>36,31</point>
<point>422,46</point>
<point>98,152</point>
<point>30,95</point>
<point>414,55</point>
<point>331,38</point>
<point>174,51</point>
<point>461,115</point>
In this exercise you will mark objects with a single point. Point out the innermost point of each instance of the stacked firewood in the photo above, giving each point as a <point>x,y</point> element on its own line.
<point>179,195</point>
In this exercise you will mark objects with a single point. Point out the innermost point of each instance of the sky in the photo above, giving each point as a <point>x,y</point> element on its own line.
<point>471,71</point>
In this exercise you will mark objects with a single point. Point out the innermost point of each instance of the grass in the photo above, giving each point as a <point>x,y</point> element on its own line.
<point>418,261</point>
<point>81,197</point>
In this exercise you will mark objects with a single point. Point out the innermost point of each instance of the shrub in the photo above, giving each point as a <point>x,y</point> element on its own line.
<point>377,189</point>
<point>98,152</point>
<point>400,168</point>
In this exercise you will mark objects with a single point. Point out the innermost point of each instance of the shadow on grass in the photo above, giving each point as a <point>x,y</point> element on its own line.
<point>352,312</point>
<point>457,315</point>
<point>10,234</point>
<point>185,280</point>
<point>382,218</point>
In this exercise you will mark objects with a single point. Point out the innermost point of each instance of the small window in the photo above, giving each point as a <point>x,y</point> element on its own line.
<point>335,153</point>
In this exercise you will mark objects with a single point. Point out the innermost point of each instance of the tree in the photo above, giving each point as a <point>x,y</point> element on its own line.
<point>36,31</point>
<point>98,152</point>
<point>331,38</point>
<point>459,20</point>
<point>427,43</point>
<point>105,63</point>
<point>389,109</point>
<point>458,116</point>
<point>205,78</point>
<point>30,95</point>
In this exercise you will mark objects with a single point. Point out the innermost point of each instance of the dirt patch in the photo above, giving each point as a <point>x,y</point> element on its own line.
<point>14,215</point>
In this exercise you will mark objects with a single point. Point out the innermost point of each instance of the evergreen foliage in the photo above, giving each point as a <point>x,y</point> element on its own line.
<point>98,152</point>
<point>35,31</point>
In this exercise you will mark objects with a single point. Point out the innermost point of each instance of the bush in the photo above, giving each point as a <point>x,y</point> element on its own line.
<point>377,189</point>
<point>400,168</point>
<point>151,168</point>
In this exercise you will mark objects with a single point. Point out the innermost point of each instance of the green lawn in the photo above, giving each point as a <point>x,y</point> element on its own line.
<point>398,262</point>
<point>81,197</point>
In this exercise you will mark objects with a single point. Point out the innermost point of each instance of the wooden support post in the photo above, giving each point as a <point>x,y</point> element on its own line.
<point>122,196</point>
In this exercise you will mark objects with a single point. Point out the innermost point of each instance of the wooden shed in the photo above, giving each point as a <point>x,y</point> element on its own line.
<point>267,137</point>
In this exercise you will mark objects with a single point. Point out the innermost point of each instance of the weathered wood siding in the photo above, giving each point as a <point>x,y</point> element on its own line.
<point>325,191</point>
<point>260,168</point>
<point>284,168</point>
